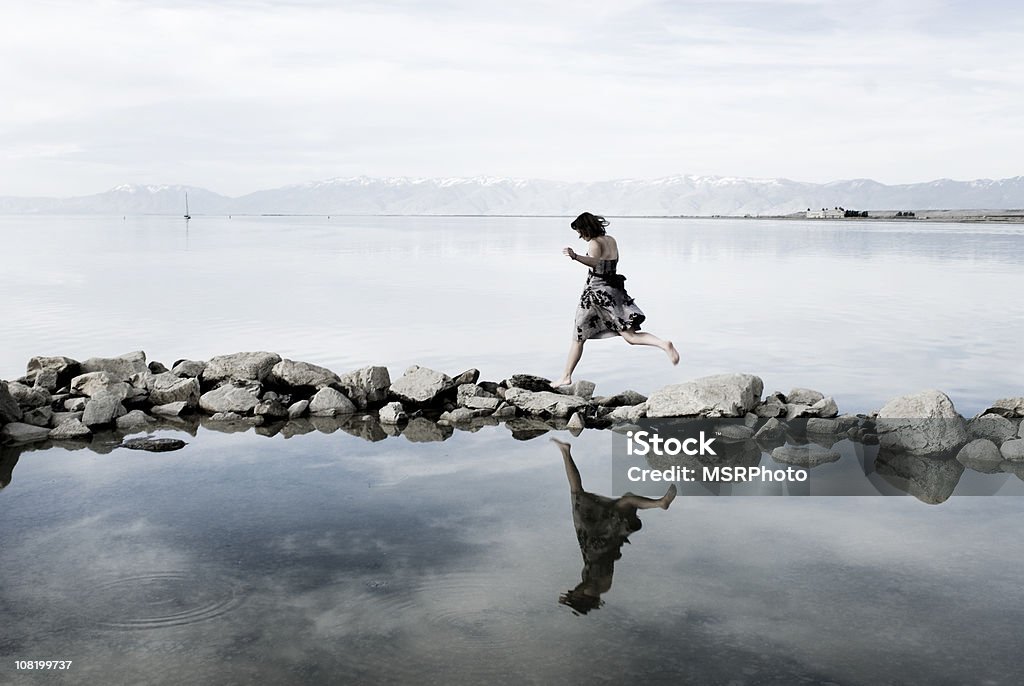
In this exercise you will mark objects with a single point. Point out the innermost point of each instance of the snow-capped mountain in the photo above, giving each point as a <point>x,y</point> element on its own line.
<point>674,195</point>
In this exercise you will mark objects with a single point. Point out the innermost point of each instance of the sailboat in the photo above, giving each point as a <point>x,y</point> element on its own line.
<point>187,215</point>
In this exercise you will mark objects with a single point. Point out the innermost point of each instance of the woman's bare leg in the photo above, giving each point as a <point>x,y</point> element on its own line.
<point>639,502</point>
<point>573,474</point>
<point>644,338</point>
<point>575,353</point>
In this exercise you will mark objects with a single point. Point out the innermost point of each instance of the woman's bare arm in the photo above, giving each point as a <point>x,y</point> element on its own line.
<point>593,256</point>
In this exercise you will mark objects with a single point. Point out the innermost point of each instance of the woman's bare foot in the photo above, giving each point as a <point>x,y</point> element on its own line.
<point>565,381</point>
<point>672,353</point>
<point>666,499</point>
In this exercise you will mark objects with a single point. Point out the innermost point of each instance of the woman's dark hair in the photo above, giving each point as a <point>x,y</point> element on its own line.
<point>589,225</point>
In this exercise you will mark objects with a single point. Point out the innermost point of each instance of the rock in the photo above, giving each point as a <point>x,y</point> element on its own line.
<point>102,409</point>
<point>41,416</point>
<point>250,366</point>
<point>482,403</point>
<point>154,445</point>
<point>47,379</point>
<point>226,417</point>
<point>529,382</point>
<point>75,404</point>
<point>91,383</point>
<point>28,397</point>
<point>773,429</point>
<point>169,388</point>
<point>59,418</point>
<point>170,409</point>
<point>722,395</point>
<point>120,367</point>
<point>619,399</point>
<point>505,411</point>
<point>392,413</point>
<point>1007,407</point>
<point>770,408</point>
<point>368,386</point>
<point>133,421</point>
<point>292,374</point>
<point>928,479</point>
<point>994,427</point>
<point>580,389</point>
<point>728,431</point>
<point>19,432</point>
<point>188,368</point>
<point>834,426</point>
<point>271,408</point>
<point>803,396</point>
<point>460,415</point>
<point>470,376</point>
<point>422,430</point>
<point>466,391</point>
<point>528,428</point>
<point>421,386</point>
<point>240,397</point>
<point>981,455</point>
<point>64,367</point>
<point>1013,450</point>
<point>576,422</point>
<point>544,402</point>
<point>628,413</point>
<point>794,411</point>
<point>920,424</point>
<point>804,455</point>
<point>68,429</point>
<point>9,410</point>
<point>826,407</point>
<point>298,409</point>
<point>328,403</point>
<point>157,367</point>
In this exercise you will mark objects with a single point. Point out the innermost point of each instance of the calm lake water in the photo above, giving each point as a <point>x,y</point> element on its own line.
<point>326,558</point>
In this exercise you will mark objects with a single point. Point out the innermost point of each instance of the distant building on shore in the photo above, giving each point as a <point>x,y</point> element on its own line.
<point>825,213</point>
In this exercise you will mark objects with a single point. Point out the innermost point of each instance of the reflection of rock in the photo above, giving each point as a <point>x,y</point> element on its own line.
<point>1013,450</point>
<point>994,427</point>
<point>930,480</point>
<point>836,426</point>
<point>364,426</point>
<point>8,461</point>
<point>804,455</point>
<point>297,427</point>
<point>17,432</point>
<point>544,402</point>
<point>981,455</point>
<point>250,366</point>
<point>1016,468</point>
<point>527,428</point>
<point>422,430</point>
<point>772,430</point>
<point>722,395</point>
<point>733,432</point>
<point>921,424</point>
<point>421,386</point>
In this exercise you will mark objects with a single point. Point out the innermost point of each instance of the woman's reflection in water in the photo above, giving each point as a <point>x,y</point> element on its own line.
<point>602,526</point>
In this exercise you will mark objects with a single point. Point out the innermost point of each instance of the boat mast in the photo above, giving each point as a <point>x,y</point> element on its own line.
<point>187,215</point>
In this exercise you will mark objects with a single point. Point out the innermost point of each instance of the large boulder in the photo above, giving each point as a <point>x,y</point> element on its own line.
<point>28,397</point>
<point>253,366</point>
<point>120,367</point>
<point>804,396</point>
<point>981,455</point>
<point>994,427</point>
<point>721,395</point>
<point>17,432</point>
<point>1013,450</point>
<point>368,386</point>
<point>289,373</point>
<point>91,383</point>
<point>58,370</point>
<point>170,388</point>
<point>9,409</point>
<point>68,429</point>
<point>529,382</point>
<point>924,423</point>
<point>192,368</point>
<point>329,402</point>
<point>240,397</point>
<point>544,402</point>
<point>102,409</point>
<point>420,386</point>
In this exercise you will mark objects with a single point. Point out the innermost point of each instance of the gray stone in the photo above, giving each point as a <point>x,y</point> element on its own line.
<point>19,432</point>
<point>91,383</point>
<point>271,408</point>
<point>544,402</point>
<point>28,397</point>
<point>154,445</point>
<point>505,411</point>
<point>771,408</point>
<point>422,430</point>
<point>170,409</point>
<point>721,395</point>
<point>460,415</point>
<point>576,422</point>
<point>468,376</point>
<point>773,429</point>
<point>482,403</point>
<point>834,426</point>
<point>75,404</point>
<point>826,407</point>
<point>102,409</point>
<point>794,411</point>
<point>64,367</point>
<point>298,409</point>
<point>157,367</point>
<point>226,417</point>
<point>135,420</point>
<point>329,402</point>
<point>47,379</point>
<point>9,410</point>
<point>392,413</point>
<point>188,368</point>
<point>70,428</point>
<point>993,427</point>
<point>803,396</point>
<point>730,431</point>
<point>529,382</point>
<point>624,398</point>
<point>40,416</point>
<point>367,386</point>
<point>466,391</point>
<point>750,420</point>
<point>628,413</point>
<point>61,417</point>
<point>1013,450</point>
<point>169,388</point>
<point>294,374</point>
<point>981,455</point>
<point>580,389</point>
<point>421,386</point>
<point>240,397</point>
<point>248,366</point>
<point>1007,407</point>
<point>928,479</point>
<point>120,368</point>
<point>804,455</point>
<point>922,423</point>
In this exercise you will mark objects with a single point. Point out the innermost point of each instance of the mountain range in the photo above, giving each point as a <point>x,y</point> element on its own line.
<point>675,195</point>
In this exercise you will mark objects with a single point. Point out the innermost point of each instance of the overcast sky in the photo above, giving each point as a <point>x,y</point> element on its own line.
<point>237,96</point>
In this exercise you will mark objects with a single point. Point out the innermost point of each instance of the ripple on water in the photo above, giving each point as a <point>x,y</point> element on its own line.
<point>162,599</point>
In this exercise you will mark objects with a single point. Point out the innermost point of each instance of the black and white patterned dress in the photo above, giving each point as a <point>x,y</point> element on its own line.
<point>605,308</point>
